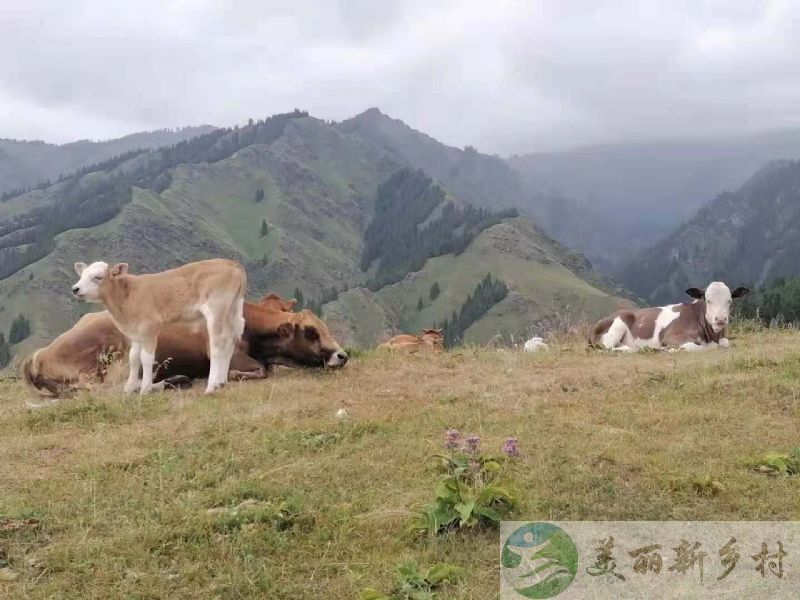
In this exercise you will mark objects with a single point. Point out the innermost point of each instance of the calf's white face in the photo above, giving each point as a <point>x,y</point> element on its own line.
<point>91,276</point>
<point>718,298</point>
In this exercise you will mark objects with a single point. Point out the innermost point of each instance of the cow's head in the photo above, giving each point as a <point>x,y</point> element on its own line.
<point>717,298</point>
<point>432,338</point>
<point>292,339</point>
<point>93,278</point>
<point>275,302</point>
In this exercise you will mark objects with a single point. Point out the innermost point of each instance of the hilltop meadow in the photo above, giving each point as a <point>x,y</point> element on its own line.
<point>262,491</point>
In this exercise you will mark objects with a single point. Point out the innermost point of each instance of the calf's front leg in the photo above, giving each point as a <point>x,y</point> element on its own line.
<point>134,363</point>
<point>693,347</point>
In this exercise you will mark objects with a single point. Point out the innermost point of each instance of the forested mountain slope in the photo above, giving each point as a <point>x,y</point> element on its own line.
<point>749,237</point>
<point>303,205</point>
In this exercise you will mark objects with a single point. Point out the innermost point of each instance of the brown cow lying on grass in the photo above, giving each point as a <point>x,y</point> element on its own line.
<point>82,355</point>
<point>430,340</point>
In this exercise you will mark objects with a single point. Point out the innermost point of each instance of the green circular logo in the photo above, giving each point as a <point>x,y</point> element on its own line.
<point>539,560</point>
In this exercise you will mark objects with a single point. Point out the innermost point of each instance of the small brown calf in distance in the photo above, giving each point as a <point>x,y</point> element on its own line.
<point>142,305</point>
<point>430,340</point>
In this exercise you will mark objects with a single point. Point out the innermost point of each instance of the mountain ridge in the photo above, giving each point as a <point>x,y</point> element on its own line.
<point>312,187</point>
<point>28,163</point>
<point>749,236</point>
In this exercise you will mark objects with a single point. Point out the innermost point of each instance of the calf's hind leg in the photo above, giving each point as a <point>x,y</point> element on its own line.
<point>148,357</point>
<point>220,349</point>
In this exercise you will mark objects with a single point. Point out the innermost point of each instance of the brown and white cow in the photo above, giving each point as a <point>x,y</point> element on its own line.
<point>689,326</point>
<point>430,340</point>
<point>81,355</point>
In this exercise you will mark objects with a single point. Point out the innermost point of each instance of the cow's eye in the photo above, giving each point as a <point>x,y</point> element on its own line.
<point>311,334</point>
<point>98,278</point>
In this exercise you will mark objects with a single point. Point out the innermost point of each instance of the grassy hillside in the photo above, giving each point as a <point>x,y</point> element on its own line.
<point>135,498</point>
<point>541,275</point>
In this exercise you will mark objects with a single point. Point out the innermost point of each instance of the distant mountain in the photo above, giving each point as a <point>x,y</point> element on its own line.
<point>746,237</point>
<point>26,164</point>
<point>634,194</point>
<point>491,182</point>
<point>310,209</point>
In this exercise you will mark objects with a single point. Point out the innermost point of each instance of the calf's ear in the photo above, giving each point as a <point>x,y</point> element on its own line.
<point>696,293</point>
<point>286,329</point>
<point>119,269</point>
<point>739,292</point>
<point>79,268</point>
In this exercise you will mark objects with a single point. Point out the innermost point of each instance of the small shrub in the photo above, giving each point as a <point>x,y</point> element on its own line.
<point>472,491</point>
<point>416,584</point>
<point>781,464</point>
<point>281,516</point>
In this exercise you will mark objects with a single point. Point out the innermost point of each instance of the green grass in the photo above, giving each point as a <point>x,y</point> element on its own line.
<point>261,492</point>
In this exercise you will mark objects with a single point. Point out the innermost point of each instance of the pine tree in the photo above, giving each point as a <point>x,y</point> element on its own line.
<point>419,304</point>
<point>264,228</point>
<point>259,194</point>
<point>298,295</point>
<point>5,352</point>
<point>435,291</point>
<point>20,329</point>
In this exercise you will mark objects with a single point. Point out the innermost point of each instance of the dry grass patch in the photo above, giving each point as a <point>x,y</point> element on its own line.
<point>262,492</point>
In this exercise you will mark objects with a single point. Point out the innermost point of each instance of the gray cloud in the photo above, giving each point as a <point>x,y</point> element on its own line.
<point>508,76</point>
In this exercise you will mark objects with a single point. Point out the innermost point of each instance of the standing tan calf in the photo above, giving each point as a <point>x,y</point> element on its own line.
<point>141,305</point>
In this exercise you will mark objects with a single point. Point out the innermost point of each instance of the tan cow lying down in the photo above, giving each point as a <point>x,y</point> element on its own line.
<point>81,356</point>
<point>689,326</point>
<point>431,340</point>
<point>210,292</point>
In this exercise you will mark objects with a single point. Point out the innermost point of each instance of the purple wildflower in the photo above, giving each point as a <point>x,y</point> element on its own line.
<point>452,439</point>
<point>511,447</point>
<point>473,444</point>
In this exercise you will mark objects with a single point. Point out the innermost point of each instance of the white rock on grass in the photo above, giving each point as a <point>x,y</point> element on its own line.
<point>535,344</point>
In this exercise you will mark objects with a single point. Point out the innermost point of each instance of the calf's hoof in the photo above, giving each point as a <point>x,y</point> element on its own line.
<point>132,386</point>
<point>178,382</point>
<point>213,387</point>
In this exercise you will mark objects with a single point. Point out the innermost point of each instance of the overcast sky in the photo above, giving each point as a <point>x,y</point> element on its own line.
<point>505,76</point>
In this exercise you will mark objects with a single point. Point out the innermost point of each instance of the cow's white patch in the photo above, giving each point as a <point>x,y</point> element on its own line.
<point>664,318</point>
<point>616,333</point>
